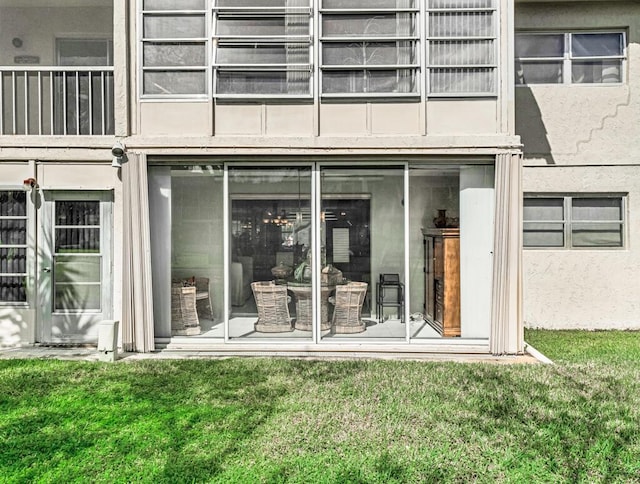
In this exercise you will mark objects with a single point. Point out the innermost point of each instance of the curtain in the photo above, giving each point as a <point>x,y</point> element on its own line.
<point>405,49</point>
<point>137,293</point>
<point>507,332</point>
<point>297,24</point>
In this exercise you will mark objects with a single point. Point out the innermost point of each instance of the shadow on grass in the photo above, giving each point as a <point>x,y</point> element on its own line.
<point>182,420</point>
<point>274,420</point>
<point>575,424</point>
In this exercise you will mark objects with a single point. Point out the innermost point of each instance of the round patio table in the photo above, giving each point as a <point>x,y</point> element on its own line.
<point>303,294</point>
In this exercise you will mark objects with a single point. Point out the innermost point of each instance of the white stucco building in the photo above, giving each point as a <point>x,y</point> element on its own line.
<point>322,139</point>
<point>578,118</point>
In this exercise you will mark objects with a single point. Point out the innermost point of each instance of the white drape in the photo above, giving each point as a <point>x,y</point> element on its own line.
<point>137,293</point>
<point>507,332</point>
<point>297,24</point>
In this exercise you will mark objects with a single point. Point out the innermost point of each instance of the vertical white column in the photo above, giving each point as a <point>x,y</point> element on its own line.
<point>160,222</point>
<point>121,65</point>
<point>477,199</point>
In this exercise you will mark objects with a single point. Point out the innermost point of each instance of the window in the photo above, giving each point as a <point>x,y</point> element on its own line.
<point>369,47</point>
<point>461,52</point>
<point>13,246</point>
<point>305,49</point>
<point>174,48</point>
<point>574,221</point>
<point>263,48</point>
<point>570,58</point>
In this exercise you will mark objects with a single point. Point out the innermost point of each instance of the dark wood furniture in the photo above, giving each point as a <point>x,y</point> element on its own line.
<point>442,280</point>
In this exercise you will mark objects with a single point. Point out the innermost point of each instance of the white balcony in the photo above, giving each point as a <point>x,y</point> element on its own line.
<point>56,101</point>
<point>56,67</point>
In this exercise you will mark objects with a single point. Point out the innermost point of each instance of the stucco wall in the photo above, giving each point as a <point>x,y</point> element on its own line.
<point>19,325</point>
<point>591,289</point>
<point>583,139</point>
<point>581,124</point>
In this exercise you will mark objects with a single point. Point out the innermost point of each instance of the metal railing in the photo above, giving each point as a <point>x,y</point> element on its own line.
<point>56,101</point>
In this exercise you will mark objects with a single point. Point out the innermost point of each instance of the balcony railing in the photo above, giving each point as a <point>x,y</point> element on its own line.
<point>56,101</point>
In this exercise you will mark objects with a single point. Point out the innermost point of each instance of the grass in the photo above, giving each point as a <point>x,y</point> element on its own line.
<point>279,420</point>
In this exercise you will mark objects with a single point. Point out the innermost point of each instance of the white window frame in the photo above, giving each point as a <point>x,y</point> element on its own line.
<point>230,40</point>
<point>567,58</point>
<point>493,10</point>
<point>142,41</point>
<point>567,221</point>
<point>420,67</point>
<point>415,39</point>
<point>28,253</point>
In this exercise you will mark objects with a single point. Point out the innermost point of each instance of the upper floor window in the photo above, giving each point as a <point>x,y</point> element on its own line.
<point>570,58</point>
<point>324,48</point>
<point>174,47</point>
<point>262,48</point>
<point>462,47</point>
<point>13,246</point>
<point>574,221</point>
<point>369,47</point>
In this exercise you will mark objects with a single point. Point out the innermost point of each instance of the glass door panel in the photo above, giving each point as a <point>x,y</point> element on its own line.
<point>197,242</point>
<point>362,236</point>
<point>75,265</point>
<point>77,258</point>
<point>451,244</point>
<point>271,251</point>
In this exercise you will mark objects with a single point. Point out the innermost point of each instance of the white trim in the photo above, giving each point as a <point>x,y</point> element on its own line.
<point>537,355</point>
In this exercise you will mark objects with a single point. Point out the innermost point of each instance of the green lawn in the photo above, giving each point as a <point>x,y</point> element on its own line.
<point>278,420</point>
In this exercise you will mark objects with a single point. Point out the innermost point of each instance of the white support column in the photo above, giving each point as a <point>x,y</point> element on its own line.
<point>160,228</point>
<point>507,332</point>
<point>121,67</point>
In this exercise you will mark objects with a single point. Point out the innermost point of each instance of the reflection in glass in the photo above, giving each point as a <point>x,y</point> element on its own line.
<point>362,236</point>
<point>271,246</point>
<point>76,275</point>
<point>13,239</point>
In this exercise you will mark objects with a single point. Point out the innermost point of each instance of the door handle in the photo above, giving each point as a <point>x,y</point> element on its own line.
<point>46,269</point>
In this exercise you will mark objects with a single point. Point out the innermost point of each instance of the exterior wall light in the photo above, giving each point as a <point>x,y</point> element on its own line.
<point>118,152</point>
<point>29,184</point>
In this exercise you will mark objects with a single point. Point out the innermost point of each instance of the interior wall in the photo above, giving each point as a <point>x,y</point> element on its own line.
<point>197,236</point>
<point>387,217</point>
<point>477,207</point>
<point>428,193</point>
<point>38,28</point>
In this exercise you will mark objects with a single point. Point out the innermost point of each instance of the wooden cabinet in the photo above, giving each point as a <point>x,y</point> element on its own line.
<point>442,280</point>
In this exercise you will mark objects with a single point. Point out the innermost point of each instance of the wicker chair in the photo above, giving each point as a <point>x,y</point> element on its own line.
<point>273,307</point>
<point>203,297</point>
<point>184,316</point>
<point>348,308</point>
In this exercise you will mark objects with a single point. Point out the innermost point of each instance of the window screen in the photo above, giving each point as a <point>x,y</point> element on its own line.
<point>262,48</point>
<point>369,48</point>
<point>461,47</point>
<point>174,48</point>
<point>573,221</point>
<point>569,58</point>
<point>13,246</point>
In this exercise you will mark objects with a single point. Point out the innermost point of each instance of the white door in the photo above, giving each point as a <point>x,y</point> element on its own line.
<point>75,265</point>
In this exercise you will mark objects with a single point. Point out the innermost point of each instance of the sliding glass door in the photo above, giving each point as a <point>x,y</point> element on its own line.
<point>271,252</point>
<point>362,249</point>
<point>322,252</point>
